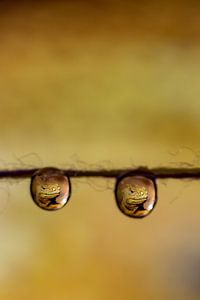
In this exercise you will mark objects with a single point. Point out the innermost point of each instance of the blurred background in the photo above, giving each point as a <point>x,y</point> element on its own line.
<point>90,84</point>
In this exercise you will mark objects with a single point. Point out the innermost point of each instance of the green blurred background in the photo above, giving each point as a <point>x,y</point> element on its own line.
<point>89,84</point>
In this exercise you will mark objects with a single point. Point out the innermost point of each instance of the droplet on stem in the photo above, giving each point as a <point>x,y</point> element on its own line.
<point>50,188</point>
<point>136,196</point>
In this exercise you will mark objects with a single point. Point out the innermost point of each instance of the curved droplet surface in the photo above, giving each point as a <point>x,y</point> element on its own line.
<point>50,188</point>
<point>136,196</point>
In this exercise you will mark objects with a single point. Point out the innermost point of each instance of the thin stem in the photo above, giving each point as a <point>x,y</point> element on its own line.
<point>163,173</point>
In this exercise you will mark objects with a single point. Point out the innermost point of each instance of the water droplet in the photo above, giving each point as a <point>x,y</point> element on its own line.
<point>136,196</point>
<point>50,188</point>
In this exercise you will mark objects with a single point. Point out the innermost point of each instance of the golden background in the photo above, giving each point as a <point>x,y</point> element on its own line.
<point>89,84</point>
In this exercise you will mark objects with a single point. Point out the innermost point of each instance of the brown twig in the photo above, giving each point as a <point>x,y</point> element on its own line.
<point>162,173</point>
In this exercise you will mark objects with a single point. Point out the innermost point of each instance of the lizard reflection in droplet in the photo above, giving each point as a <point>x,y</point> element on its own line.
<point>50,188</point>
<point>49,191</point>
<point>135,195</point>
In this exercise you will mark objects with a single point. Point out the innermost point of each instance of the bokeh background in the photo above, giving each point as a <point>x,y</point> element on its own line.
<point>89,84</point>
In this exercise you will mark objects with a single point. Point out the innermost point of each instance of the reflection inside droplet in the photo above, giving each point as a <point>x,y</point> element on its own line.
<point>50,188</point>
<point>136,195</point>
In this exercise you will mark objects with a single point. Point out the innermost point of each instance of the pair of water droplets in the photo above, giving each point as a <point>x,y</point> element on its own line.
<point>135,196</point>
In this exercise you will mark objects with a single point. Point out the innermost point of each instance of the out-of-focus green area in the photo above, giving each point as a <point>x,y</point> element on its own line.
<point>89,84</point>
